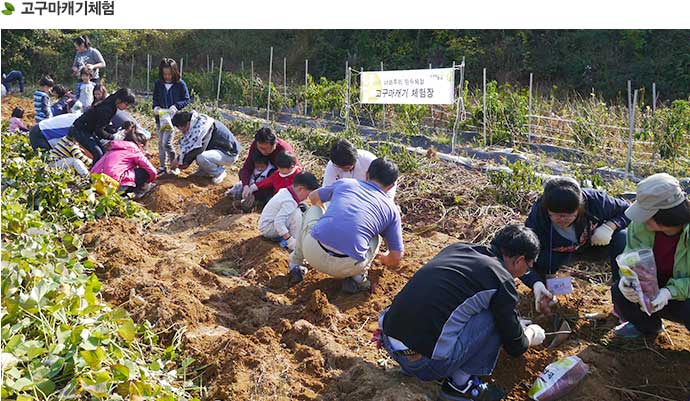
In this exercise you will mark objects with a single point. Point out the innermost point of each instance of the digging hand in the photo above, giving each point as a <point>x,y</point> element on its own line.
<point>661,300</point>
<point>627,288</point>
<point>535,335</point>
<point>543,298</point>
<point>602,235</point>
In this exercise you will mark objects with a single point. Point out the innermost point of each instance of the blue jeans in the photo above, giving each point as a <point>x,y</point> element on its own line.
<point>475,353</point>
<point>213,162</point>
<point>12,77</point>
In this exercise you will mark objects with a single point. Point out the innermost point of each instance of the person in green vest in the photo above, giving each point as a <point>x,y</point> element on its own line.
<point>660,222</point>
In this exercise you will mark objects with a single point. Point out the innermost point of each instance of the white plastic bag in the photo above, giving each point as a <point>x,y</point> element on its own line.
<point>640,267</point>
<point>558,379</point>
<point>165,118</point>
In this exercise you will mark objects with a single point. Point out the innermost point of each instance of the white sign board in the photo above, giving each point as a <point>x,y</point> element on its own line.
<point>432,86</point>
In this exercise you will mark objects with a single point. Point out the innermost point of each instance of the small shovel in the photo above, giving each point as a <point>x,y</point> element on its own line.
<point>553,333</point>
<point>562,332</point>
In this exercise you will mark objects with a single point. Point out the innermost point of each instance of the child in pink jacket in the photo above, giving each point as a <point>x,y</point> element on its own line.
<point>126,163</point>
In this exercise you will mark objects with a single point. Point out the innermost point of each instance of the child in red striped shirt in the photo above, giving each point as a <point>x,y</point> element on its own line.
<point>286,163</point>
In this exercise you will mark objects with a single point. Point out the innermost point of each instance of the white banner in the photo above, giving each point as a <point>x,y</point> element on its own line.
<point>432,86</point>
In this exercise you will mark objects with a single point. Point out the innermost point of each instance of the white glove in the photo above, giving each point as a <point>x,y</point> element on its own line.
<point>602,235</point>
<point>253,188</point>
<point>172,110</point>
<point>541,292</point>
<point>524,323</point>
<point>627,288</point>
<point>291,243</point>
<point>245,191</point>
<point>661,300</point>
<point>156,110</point>
<point>535,334</point>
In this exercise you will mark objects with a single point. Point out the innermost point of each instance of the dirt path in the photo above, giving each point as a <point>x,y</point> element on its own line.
<point>204,266</point>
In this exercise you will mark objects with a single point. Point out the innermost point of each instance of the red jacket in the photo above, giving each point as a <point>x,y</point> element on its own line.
<point>277,182</point>
<point>248,166</point>
<point>121,160</point>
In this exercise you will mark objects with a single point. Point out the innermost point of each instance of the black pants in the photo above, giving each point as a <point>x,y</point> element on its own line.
<point>141,177</point>
<point>677,311</point>
<point>89,141</point>
<point>37,140</point>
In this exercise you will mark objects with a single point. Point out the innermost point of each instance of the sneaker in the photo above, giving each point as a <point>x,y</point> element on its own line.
<point>296,275</point>
<point>147,187</point>
<point>350,286</point>
<point>219,178</point>
<point>162,171</point>
<point>628,331</point>
<point>175,171</point>
<point>474,389</point>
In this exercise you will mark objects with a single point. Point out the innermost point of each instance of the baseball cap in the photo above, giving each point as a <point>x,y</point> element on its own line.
<point>654,193</point>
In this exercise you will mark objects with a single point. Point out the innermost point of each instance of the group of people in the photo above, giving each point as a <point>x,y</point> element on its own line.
<point>450,320</point>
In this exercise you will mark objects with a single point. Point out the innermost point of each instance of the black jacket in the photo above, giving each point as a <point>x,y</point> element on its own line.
<point>97,120</point>
<point>428,314</point>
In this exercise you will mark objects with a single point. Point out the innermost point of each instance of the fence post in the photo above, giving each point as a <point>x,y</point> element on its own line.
<point>484,100</point>
<point>270,72</point>
<point>653,98</point>
<point>117,62</point>
<point>148,71</point>
<point>208,64</point>
<point>131,73</point>
<point>631,110</point>
<point>457,114</point>
<point>306,83</point>
<point>383,119</point>
<point>181,65</point>
<point>529,111</point>
<point>213,67</point>
<point>431,106</point>
<point>242,67</point>
<point>285,77</point>
<point>251,95</point>
<point>347,95</point>
<point>220,78</point>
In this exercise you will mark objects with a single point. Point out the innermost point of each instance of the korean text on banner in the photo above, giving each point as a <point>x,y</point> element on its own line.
<point>432,86</point>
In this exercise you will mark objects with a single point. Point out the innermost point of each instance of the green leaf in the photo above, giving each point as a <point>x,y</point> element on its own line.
<point>93,358</point>
<point>127,330</point>
<point>8,12</point>
<point>46,387</point>
<point>187,362</point>
<point>22,384</point>
<point>9,6</point>
<point>120,372</point>
<point>23,397</point>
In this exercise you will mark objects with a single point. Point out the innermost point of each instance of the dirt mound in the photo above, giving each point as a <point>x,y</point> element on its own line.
<point>14,100</point>
<point>177,194</point>
<point>204,266</point>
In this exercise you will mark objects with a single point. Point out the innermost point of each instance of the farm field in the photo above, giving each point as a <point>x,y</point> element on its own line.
<point>203,276</point>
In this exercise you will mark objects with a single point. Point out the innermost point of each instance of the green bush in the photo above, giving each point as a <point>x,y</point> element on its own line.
<point>517,188</point>
<point>670,130</point>
<point>59,338</point>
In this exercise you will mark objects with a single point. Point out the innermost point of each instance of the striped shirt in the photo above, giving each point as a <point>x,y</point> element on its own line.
<point>42,105</point>
<point>68,147</point>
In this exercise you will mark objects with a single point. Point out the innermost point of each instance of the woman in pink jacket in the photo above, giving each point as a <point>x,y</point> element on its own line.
<point>126,163</point>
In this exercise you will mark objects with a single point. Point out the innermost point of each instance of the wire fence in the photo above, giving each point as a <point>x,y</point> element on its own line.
<point>611,142</point>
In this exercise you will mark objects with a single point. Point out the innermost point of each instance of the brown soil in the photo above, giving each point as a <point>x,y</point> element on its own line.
<point>204,266</point>
<point>9,102</point>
